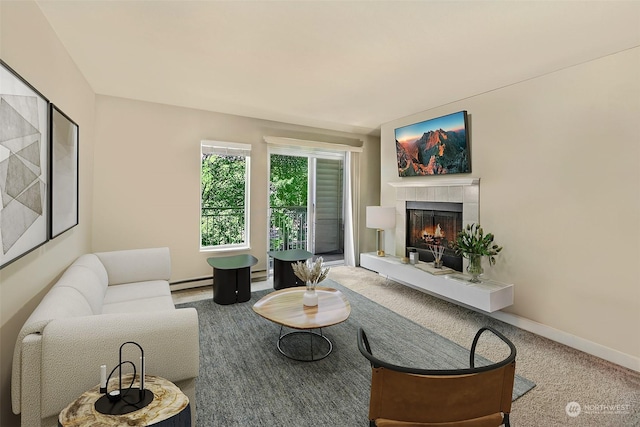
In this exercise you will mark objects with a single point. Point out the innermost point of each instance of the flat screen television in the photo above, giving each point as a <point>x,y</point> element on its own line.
<point>437,146</point>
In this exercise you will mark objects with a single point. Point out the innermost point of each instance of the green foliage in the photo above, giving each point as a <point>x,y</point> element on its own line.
<point>223,200</point>
<point>288,178</point>
<point>473,241</point>
<point>223,181</point>
<point>288,200</point>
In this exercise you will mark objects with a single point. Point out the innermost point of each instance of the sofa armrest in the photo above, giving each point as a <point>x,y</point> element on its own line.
<point>136,265</point>
<point>26,398</point>
<point>74,348</point>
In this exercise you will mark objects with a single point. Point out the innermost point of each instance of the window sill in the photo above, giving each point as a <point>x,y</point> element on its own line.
<point>228,248</point>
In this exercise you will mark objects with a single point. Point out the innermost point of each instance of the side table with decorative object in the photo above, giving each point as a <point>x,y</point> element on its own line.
<point>283,276</point>
<point>285,307</point>
<point>169,408</point>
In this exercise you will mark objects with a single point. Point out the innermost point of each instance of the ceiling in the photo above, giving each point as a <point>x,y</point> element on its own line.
<point>343,65</point>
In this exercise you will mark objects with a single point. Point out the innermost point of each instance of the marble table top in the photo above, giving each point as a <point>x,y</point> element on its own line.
<point>169,400</point>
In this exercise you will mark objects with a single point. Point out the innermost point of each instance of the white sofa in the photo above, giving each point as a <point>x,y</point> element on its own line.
<point>101,301</point>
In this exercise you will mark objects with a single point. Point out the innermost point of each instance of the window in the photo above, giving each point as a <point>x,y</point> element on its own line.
<point>224,195</point>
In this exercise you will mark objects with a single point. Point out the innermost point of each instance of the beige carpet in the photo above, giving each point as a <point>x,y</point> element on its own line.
<point>608,395</point>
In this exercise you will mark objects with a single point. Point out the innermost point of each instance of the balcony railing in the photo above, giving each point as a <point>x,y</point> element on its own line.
<point>288,228</point>
<point>222,226</point>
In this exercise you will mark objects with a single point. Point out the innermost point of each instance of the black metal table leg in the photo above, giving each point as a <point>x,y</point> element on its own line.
<point>311,335</point>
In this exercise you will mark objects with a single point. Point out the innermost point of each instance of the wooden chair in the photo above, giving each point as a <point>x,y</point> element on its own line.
<point>471,397</point>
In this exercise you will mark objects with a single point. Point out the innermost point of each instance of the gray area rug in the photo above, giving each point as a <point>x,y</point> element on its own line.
<point>245,381</point>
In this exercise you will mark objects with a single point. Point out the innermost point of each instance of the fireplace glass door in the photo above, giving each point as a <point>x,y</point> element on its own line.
<point>432,224</point>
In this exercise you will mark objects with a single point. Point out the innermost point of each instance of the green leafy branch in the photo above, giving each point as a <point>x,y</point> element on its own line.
<point>473,241</point>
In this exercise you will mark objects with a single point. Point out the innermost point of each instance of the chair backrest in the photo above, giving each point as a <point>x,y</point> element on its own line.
<point>474,396</point>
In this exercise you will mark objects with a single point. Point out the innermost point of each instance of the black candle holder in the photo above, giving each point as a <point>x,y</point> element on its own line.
<point>123,401</point>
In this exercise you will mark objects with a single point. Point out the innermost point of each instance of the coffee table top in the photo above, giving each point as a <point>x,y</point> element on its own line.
<point>285,308</point>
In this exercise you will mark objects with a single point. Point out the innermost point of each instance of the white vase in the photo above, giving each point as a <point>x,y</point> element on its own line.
<point>310,298</point>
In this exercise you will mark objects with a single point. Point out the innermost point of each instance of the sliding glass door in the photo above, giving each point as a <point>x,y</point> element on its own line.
<point>328,212</point>
<point>306,202</point>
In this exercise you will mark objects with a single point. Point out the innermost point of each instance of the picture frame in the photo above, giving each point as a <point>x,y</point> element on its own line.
<point>24,167</point>
<point>64,167</point>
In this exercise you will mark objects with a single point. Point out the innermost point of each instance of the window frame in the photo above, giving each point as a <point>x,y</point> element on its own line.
<point>238,149</point>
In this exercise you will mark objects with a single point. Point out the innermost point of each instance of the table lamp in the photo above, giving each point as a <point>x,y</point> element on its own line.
<point>380,218</point>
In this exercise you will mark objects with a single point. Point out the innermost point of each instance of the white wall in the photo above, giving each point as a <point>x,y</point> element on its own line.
<point>559,164</point>
<point>147,177</point>
<point>30,47</point>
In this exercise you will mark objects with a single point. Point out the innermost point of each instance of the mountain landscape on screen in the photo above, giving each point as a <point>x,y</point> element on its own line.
<point>426,148</point>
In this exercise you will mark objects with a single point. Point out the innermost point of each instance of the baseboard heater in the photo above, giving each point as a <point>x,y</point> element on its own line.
<point>198,282</point>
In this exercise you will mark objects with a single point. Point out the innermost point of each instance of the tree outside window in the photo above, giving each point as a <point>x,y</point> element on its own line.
<point>288,202</point>
<point>224,195</point>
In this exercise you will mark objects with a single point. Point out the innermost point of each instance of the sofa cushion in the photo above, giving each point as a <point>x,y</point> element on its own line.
<point>136,265</point>
<point>93,263</point>
<point>137,291</point>
<point>139,305</point>
<point>87,282</point>
<point>59,302</point>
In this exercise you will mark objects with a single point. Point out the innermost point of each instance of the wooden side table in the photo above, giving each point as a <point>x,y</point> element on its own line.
<point>170,407</point>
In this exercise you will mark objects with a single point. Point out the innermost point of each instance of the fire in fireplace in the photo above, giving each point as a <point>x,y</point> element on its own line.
<point>434,224</point>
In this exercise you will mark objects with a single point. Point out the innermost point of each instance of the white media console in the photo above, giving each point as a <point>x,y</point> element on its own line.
<point>488,295</point>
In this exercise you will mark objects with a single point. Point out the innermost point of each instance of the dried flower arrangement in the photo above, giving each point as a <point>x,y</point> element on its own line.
<point>437,251</point>
<point>310,271</point>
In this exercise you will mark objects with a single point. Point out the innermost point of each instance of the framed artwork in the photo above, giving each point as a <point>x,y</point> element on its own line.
<point>437,146</point>
<point>24,164</point>
<point>64,172</point>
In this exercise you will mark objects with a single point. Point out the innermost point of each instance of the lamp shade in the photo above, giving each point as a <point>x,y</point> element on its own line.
<point>381,217</point>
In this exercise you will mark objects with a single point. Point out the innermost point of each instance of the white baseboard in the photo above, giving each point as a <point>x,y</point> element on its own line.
<point>573,341</point>
<point>196,282</point>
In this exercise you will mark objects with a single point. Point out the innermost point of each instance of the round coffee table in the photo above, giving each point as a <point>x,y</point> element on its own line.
<point>285,308</point>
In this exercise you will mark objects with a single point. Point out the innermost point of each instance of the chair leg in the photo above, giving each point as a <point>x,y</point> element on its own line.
<point>372,423</point>
<point>505,420</point>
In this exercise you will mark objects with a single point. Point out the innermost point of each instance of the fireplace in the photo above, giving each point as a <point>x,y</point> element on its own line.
<point>434,223</point>
<point>458,190</point>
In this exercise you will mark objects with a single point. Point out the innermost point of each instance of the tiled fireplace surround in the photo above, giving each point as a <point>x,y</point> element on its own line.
<point>428,189</point>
